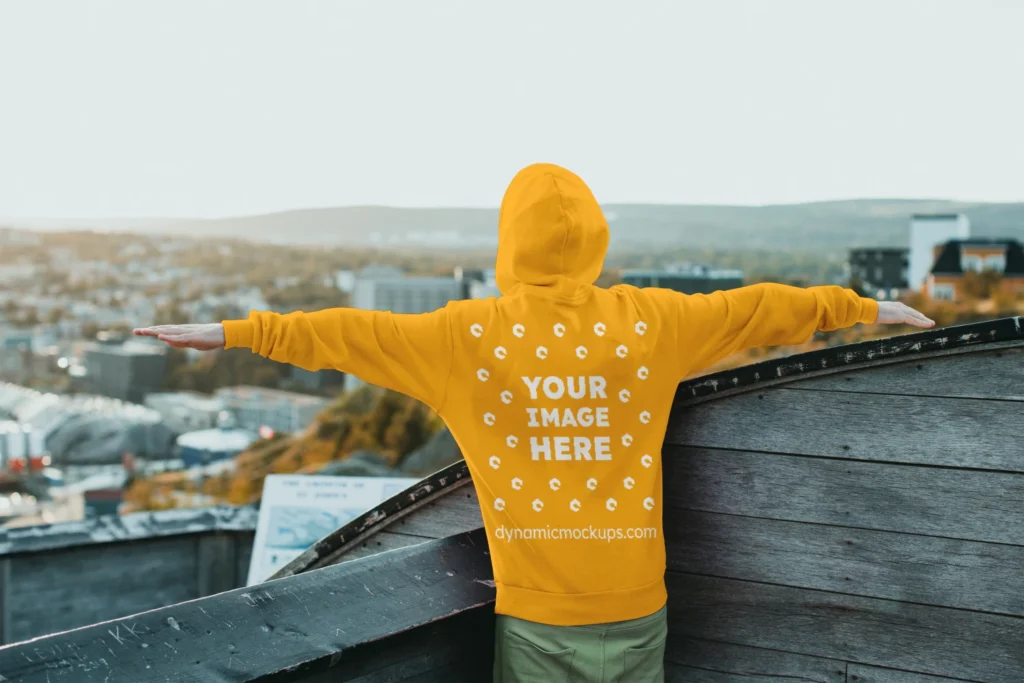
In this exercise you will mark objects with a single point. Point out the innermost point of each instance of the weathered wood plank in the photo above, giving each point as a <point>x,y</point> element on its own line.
<point>121,528</point>
<point>972,505</point>
<point>933,640</point>
<point>858,673</point>
<point>452,514</point>
<point>449,651</point>
<point>879,564</point>
<point>284,630</point>
<point>215,564</point>
<point>5,600</point>
<point>381,542</point>
<point>243,556</point>
<point>73,588</point>
<point>990,374</point>
<point>907,429</point>
<point>704,661</point>
<point>1001,333</point>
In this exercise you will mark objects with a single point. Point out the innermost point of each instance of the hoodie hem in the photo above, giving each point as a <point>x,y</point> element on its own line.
<point>580,609</point>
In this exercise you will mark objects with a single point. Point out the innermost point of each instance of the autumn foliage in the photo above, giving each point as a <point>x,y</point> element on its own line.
<point>369,419</point>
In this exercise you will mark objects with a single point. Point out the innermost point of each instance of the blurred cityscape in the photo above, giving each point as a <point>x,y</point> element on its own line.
<point>94,421</point>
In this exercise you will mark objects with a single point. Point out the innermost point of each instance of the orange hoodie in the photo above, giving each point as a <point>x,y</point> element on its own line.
<point>558,393</point>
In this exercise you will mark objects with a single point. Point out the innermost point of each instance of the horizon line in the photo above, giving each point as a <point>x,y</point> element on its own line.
<point>10,220</point>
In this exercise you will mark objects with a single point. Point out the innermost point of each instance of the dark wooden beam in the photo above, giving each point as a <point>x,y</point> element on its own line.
<point>954,339</point>
<point>121,528</point>
<point>931,640</point>
<point>284,630</point>
<point>933,501</point>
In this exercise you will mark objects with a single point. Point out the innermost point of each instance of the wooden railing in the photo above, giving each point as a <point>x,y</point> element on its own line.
<point>63,576</point>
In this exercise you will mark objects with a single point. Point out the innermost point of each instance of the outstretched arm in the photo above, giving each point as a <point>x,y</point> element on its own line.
<point>408,353</point>
<point>717,325</point>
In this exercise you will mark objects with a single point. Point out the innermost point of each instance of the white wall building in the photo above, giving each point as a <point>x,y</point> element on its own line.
<point>282,411</point>
<point>928,231</point>
<point>186,411</point>
<point>400,294</point>
<point>345,280</point>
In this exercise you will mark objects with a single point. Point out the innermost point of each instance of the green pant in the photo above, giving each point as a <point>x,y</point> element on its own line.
<point>620,652</point>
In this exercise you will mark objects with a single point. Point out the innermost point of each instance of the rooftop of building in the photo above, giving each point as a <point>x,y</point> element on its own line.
<point>886,250</point>
<point>937,216</point>
<point>684,271</point>
<point>245,391</point>
<point>218,440</point>
<point>949,263</point>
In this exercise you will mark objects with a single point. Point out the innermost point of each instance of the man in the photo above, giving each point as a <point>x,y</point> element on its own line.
<point>559,395</point>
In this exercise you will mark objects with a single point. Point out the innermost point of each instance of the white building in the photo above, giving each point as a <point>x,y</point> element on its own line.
<point>389,290</point>
<point>281,411</point>
<point>927,233</point>
<point>345,280</point>
<point>186,411</point>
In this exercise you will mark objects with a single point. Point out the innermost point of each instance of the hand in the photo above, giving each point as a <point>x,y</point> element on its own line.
<point>200,337</point>
<point>895,313</point>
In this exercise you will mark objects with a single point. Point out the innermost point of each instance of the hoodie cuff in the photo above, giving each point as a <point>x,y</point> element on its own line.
<point>238,334</point>
<point>868,311</point>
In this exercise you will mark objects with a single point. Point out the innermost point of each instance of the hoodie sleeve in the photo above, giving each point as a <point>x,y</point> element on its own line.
<point>714,326</point>
<point>409,353</point>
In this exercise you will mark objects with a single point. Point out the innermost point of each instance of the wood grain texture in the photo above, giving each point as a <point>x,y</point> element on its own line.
<point>5,599</point>
<point>972,505</point>
<point>452,514</point>
<point>381,542</point>
<point>691,660</point>
<point>933,640</point>
<point>895,566</point>
<point>285,630</point>
<point>949,432</point>
<point>455,650</point>
<point>215,564</point>
<point>995,375</point>
<point>858,673</point>
<point>73,588</point>
<point>988,335</point>
<point>123,528</point>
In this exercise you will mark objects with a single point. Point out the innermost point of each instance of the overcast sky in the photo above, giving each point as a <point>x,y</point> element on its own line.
<point>205,108</point>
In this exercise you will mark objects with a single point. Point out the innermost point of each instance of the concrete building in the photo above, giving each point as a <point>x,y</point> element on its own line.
<point>318,380</point>
<point>927,232</point>
<point>478,284</point>
<point>881,271</point>
<point>345,280</point>
<point>187,411</point>
<point>390,290</point>
<point>206,446</point>
<point>126,371</point>
<point>686,278</point>
<point>281,411</point>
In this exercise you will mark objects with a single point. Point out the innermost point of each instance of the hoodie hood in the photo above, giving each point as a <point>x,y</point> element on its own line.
<point>551,232</point>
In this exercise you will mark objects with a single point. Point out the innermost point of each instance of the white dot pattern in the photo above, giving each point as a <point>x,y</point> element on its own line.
<point>624,395</point>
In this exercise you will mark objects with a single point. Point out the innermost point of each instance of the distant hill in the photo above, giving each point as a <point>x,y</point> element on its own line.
<point>815,226</point>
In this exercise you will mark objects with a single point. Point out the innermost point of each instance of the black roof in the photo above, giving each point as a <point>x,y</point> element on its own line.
<point>948,262</point>
<point>936,216</point>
